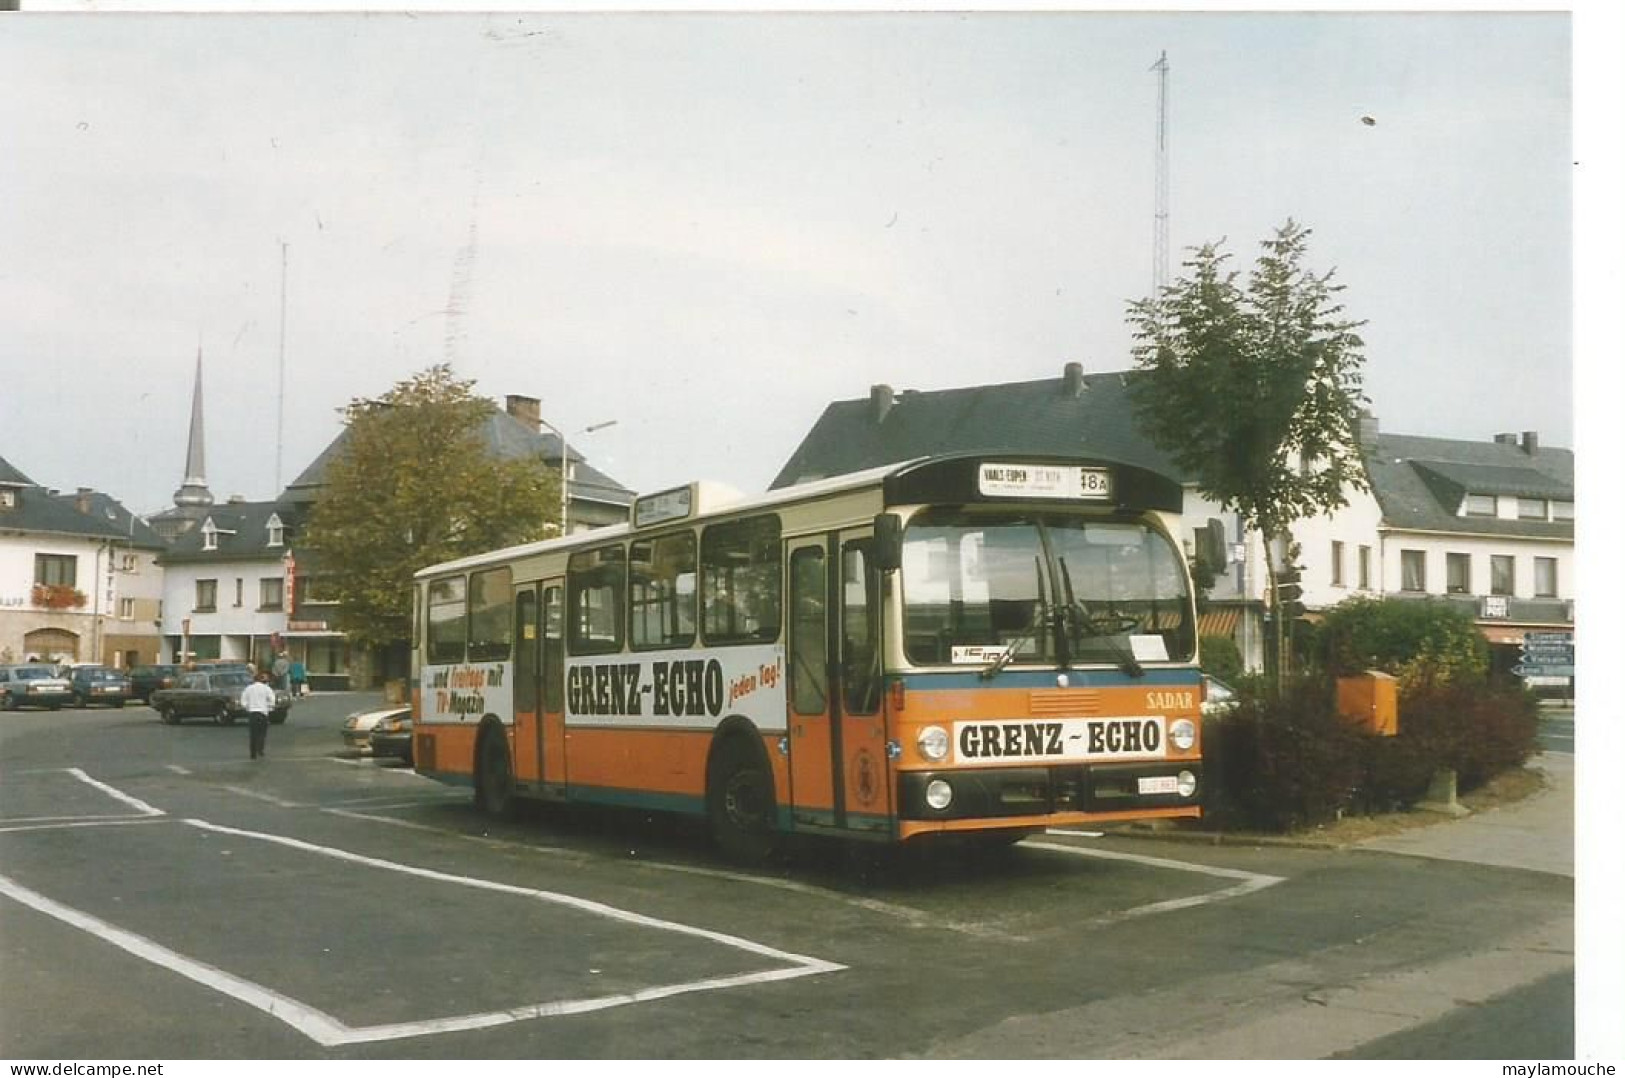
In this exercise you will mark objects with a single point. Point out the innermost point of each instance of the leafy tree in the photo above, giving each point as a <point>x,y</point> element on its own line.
<point>1254,390</point>
<point>415,484</point>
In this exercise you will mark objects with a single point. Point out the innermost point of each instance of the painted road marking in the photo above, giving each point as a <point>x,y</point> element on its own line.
<point>1250,881</point>
<point>329,1031</point>
<point>117,795</point>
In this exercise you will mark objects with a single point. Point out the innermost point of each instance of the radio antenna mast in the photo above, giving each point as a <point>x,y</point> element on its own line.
<point>1159,236</point>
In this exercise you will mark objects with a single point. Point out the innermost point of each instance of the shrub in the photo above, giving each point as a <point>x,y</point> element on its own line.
<point>1421,642</point>
<point>1221,657</point>
<point>1279,763</point>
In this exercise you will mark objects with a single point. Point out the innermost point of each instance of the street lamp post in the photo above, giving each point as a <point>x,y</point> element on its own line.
<point>564,467</point>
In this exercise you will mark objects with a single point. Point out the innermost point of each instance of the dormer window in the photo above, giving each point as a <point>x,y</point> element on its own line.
<point>1478,505</point>
<point>211,535</point>
<point>273,531</point>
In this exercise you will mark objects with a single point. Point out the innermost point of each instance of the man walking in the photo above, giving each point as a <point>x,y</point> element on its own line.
<point>258,700</point>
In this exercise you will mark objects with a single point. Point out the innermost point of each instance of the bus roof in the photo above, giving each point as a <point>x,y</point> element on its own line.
<point>903,482</point>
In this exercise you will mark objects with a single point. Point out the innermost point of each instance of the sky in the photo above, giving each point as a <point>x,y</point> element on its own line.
<point>705,228</point>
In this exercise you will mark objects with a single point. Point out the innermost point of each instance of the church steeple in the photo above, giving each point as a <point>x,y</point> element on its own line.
<point>195,488</point>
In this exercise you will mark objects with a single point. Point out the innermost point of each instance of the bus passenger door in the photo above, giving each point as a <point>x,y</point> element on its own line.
<point>812,750</point>
<point>859,686</point>
<point>527,711</point>
<point>837,729</point>
<point>551,745</point>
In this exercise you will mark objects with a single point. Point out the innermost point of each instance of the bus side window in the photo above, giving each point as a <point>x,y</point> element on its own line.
<point>662,594</point>
<point>448,621</point>
<point>490,615</point>
<point>597,593</point>
<point>740,581</point>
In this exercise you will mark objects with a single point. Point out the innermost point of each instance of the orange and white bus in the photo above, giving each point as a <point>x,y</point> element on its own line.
<point>965,644</point>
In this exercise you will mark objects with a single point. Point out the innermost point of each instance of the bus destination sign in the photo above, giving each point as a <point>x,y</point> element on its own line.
<point>1044,481</point>
<point>666,505</point>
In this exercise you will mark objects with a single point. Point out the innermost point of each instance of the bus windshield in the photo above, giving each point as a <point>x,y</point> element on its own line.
<point>1047,588</point>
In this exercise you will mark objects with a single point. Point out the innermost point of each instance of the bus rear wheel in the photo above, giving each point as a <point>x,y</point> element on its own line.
<point>493,781</point>
<point>739,801</point>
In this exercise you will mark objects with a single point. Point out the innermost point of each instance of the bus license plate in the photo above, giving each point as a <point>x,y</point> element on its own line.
<point>1159,784</point>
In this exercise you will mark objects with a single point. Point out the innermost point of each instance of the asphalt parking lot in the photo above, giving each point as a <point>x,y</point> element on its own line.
<point>168,898</point>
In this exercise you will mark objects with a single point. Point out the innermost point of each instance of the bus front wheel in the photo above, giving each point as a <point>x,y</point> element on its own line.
<point>739,801</point>
<point>493,784</point>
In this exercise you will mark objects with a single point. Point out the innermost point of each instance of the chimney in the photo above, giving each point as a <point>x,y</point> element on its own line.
<point>1368,428</point>
<point>1531,442</point>
<point>1072,380</point>
<point>881,399</point>
<point>81,500</point>
<point>528,410</point>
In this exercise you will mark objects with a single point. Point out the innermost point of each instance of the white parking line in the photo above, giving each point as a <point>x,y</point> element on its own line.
<point>257,795</point>
<point>797,965</point>
<point>71,822</point>
<point>1250,881</point>
<point>117,795</point>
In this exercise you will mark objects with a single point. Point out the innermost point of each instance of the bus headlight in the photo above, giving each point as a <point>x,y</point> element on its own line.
<point>933,743</point>
<point>1187,784</point>
<point>938,794</point>
<point>1182,734</point>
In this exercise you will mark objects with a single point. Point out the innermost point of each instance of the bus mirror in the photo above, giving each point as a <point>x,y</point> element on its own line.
<point>888,542</point>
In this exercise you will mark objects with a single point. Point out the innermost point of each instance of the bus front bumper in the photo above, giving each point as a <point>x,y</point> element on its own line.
<point>997,793</point>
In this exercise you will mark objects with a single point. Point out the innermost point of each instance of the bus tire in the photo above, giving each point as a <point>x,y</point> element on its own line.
<point>739,801</point>
<point>493,775</point>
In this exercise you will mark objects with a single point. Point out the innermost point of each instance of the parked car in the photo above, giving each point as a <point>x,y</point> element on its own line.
<point>358,726</point>
<point>99,685</point>
<point>1217,697</point>
<point>392,736</point>
<point>211,694</point>
<point>33,685</point>
<point>144,680</point>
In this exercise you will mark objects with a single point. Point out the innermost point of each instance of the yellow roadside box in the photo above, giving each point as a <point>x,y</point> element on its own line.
<point>1370,701</point>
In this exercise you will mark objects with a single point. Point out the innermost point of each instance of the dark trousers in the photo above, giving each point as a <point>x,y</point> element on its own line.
<point>258,723</point>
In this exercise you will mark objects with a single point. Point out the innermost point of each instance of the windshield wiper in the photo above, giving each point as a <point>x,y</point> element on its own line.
<point>1078,620</point>
<point>1028,633</point>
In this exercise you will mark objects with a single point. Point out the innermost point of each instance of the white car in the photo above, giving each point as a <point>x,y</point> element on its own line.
<point>1217,697</point>
<point>357,731</point>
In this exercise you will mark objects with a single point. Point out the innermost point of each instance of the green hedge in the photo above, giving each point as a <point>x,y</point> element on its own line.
<point>1289,762</point>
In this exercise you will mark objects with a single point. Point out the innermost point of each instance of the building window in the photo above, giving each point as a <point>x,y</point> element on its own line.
<point>273,531</point>
<point>1365,567</point>
<point>1545,578</point>
<point>56,570</point>
<point>129,563</point>
<point>126,609</point>
<point>270,593</point>
<point>1479,505</point>
<point>1502,577</point>
<point>1562,510</point>
<point>1337,563</point>
<point>8,499</point>
<point>206,595</point>
<point>1531,508</point>
<point>1458,573</point>
<point>211,537</point>
<point>1413,570</point>
<point>239,599</point>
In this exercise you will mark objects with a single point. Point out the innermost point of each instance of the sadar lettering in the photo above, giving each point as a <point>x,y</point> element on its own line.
<point>686,687</point>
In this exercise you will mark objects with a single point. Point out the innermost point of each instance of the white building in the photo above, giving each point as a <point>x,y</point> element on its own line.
<point>79,578</point>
